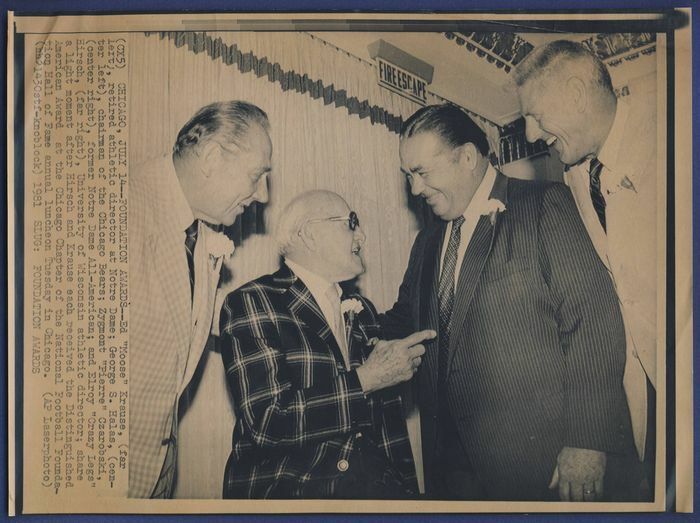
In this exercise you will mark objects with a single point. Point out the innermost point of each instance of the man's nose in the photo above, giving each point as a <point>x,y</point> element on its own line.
<point>533,132</point>
<point>261,193</point>
<point>360,235</point>
<point>417,184</point>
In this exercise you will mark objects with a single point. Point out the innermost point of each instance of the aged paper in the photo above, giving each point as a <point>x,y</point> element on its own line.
<point>77,292</point>
<point>103,94</point>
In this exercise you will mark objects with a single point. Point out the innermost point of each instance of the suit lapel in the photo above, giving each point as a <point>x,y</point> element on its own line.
<point>577,180</point>
<point>474,261</point>
<point>203,306</point>
<point>303,305</point>
<point>355,340</point>
<point>428,306</point>
<point>430,276</point>
<point>171,265</point>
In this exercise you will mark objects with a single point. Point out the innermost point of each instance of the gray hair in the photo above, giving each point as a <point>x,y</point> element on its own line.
<point>302,208</point>
<point>547,60</point>
<point>229,121</point>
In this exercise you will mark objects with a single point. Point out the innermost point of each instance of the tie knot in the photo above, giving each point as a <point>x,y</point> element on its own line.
<point>191,231</point>
<point>457,222</point>
<point>595,168</point>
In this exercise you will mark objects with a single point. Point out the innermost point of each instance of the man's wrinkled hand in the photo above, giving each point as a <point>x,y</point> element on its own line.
<point>393,362</point>
<point>579,474</point>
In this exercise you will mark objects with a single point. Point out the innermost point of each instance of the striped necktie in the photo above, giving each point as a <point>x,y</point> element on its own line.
<point>596,194</point>
<point>446,297</point>
<point>190,242</point>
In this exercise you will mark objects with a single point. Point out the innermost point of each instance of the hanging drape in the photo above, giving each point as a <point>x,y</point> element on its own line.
<point>321,140</point>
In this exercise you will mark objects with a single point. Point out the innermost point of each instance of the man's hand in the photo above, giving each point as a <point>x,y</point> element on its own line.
<point>393,362</point>
<point>579,474</point>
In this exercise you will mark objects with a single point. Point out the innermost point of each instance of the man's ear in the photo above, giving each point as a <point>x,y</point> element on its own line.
<point>308,238</point>
<point>577,93</point>
<point>209,157</point>
<point>468,156</point>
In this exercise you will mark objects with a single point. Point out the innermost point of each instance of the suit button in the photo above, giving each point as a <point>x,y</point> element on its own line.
<point>343,465</point>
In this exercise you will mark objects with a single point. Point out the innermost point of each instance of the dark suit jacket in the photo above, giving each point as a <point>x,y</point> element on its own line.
<point>537,346</point>
<point>299,413</point>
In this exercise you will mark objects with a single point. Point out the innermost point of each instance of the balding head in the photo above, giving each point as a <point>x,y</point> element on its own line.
<point>313,231</point>
<point>304,207</point>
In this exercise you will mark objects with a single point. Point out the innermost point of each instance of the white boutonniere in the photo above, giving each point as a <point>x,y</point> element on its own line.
<point>491,209</point>
<point>218,244</point>
<point>352,305</point>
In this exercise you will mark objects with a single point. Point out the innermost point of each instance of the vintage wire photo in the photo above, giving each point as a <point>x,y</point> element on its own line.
<point>350,263</point>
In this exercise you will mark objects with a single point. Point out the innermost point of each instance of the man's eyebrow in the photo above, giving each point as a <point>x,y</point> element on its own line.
<point>412,170</point>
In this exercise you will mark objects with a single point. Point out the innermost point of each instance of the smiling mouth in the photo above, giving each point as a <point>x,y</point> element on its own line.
<point>551,140</point>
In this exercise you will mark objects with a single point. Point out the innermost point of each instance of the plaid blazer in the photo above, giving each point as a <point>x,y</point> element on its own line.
<point>299,412</point>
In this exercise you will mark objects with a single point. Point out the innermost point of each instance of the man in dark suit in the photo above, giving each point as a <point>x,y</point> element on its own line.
<point>523,387</point>
<point>317,415</point>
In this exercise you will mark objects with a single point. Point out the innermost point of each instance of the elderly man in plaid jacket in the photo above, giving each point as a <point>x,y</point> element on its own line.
<point>317,412</point>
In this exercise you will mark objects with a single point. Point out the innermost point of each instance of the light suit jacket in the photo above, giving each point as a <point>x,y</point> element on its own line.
<point>167,328</point>
<point>629,249</point>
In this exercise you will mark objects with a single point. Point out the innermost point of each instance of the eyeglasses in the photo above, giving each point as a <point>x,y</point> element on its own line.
<point>352,219</point>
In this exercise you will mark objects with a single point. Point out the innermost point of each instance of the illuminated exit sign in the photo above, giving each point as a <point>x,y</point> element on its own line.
<point>402,82</point>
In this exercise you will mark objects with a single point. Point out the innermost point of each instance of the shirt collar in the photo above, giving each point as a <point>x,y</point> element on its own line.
<point>317,285</point>
<point>481,196</point>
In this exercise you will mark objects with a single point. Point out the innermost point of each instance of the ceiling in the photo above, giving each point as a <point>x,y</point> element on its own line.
<point>463,77</point>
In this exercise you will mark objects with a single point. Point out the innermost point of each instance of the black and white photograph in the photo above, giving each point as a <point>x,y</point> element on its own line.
<point>368,263</point>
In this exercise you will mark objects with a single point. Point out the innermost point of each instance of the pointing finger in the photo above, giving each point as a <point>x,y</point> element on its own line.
<point>417,337</point>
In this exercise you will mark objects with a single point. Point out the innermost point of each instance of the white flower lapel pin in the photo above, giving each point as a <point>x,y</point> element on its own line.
<point>627,184</point>
<point>492,208</point>
<point>218,244</point>
<point>352,305</point>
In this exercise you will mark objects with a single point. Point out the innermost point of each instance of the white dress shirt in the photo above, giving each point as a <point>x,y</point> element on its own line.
<point>318,287</point>
<point>471,217</point>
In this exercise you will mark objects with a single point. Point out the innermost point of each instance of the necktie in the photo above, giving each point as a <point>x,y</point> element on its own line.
<point>446,297</point>
<point>338,322</point>
<point>596,195</point>
<point>190,242</point>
